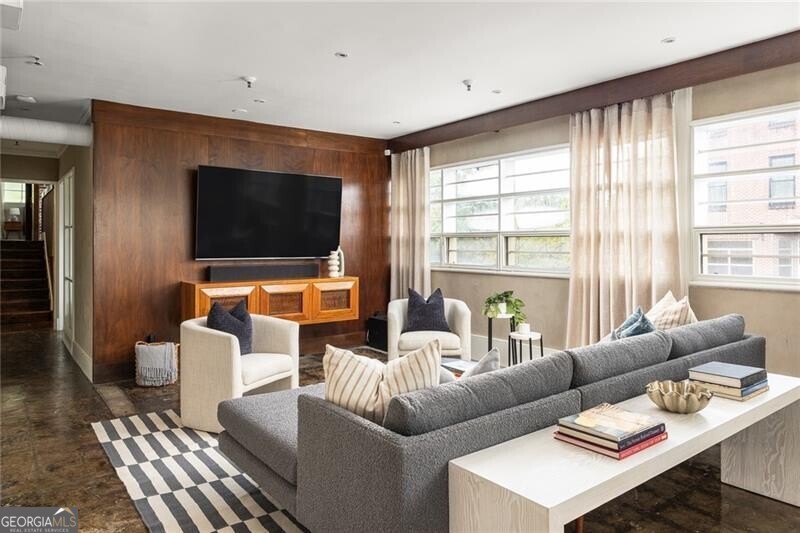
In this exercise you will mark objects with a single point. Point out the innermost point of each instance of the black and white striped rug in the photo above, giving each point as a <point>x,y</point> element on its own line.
<point>179,481</point>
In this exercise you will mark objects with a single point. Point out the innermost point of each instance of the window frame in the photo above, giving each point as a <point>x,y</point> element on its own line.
<point>697,277</point>
<point>7,182</point>
<point>500,267</point>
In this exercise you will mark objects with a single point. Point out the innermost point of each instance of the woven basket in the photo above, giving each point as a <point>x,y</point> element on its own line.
<point>166,376</point>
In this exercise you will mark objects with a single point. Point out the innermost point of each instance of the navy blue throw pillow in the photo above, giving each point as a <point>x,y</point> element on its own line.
<point>237,322</point>
<point>426,315</point>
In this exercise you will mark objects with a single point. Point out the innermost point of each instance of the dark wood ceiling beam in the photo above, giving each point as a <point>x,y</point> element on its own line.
<point>769,53</point>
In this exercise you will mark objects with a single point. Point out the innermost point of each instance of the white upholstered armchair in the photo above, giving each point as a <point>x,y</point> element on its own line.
<point>455,344</point>
<point>212,370</point>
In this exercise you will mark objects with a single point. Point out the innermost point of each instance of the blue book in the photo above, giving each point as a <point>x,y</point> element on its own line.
<point>722,390</point>
<point>727,374</point>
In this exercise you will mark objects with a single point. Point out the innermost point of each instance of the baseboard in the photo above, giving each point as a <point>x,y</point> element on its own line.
<point>82,359</point>
<point>480,345</point>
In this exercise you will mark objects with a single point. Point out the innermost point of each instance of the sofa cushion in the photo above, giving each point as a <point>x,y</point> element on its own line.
<point>749,351</point>
<point>414,340</point>
<point>257,366</point>
<point>426,410</point>
<point>266,425</point>
<point>606,359</point>
<point>706,334</point>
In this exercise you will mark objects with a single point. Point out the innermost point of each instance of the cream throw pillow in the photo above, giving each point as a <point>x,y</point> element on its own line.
<point>365,386</point>
<point>661,306</point>
<point>678,314</point>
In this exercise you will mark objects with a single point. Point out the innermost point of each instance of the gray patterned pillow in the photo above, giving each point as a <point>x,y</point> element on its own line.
<point>426,315</point>
<point>237,322</point>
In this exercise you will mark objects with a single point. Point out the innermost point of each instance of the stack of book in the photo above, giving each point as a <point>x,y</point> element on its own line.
<point>735,382</point>
<point>611,431</point>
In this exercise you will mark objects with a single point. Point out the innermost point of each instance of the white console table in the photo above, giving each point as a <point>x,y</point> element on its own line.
<point>536,483</point>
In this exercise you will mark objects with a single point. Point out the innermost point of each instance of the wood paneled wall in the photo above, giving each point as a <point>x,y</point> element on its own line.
<point>145,167</point>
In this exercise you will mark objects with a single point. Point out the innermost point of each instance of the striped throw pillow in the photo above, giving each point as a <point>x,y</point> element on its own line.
<point>678,314</point>
<point>364,386</point>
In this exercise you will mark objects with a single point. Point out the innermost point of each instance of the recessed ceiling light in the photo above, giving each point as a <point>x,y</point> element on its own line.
<point>341,55</point>
<point>497,91</point>
<point>26,99</point>
<point>395,122</point>
<point>259,100</point>
<point>239,110</point>
<point>668,40</point>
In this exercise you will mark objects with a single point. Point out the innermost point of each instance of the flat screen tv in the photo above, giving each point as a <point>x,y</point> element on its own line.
<point>249,214</point>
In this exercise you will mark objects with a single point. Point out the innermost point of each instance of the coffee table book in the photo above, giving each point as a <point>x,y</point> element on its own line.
<point>727,374</point>
<point>722,390</point>
<point>616,454</point>
<point>742,398</point>
<point>610,444</point>
<point>612,423</point>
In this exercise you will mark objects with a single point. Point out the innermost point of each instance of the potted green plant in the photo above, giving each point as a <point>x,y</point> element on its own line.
<point>502,303</point>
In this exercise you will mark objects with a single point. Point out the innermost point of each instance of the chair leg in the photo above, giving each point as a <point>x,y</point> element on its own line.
<point>579,524</point>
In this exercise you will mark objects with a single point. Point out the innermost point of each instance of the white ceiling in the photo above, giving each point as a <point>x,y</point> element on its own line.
<point>406,61</point>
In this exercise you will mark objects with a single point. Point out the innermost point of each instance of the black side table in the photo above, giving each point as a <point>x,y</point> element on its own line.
<point>515,341</point>
<point>507,317</point>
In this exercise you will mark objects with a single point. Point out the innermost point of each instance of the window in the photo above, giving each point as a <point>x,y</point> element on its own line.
<point>782,186</point>
<point>717,196</point>
<point>788,258</point>
<point>724,257</point>
<point>746,222</point>
<point>13,193</point>
<point>510,213</point>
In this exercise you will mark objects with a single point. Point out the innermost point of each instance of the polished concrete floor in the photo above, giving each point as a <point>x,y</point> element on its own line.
<point>49,455</point>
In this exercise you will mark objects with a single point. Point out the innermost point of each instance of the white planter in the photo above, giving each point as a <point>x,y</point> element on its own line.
<point>502,308</point>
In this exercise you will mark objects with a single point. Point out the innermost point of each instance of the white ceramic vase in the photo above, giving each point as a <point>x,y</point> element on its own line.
<point>336,263</point>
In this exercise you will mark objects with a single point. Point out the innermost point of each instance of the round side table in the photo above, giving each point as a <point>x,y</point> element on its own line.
<point>506,316</point>
<point>515,341</point>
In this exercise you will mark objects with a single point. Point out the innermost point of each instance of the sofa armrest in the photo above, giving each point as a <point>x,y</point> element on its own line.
<point>396,321</point>
<point>348,470</point>
<point>211,372</point>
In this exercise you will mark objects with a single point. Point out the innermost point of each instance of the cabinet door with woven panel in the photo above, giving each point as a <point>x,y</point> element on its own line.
<point>228,297</point>
<point>335,300</point>
<point>291,301</point>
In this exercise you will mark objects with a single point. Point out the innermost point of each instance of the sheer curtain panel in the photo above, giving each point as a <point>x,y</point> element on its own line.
<point>624,243</point>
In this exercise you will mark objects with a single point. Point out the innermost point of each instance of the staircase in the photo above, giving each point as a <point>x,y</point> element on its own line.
<point>24,290</point>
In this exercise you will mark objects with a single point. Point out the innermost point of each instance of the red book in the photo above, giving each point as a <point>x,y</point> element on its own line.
<point>612,453</point>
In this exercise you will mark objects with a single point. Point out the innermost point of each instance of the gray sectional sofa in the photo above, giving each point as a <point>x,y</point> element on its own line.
<point>336,471</point>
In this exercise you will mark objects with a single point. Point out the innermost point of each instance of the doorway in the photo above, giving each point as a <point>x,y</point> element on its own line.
<point>65,305</point>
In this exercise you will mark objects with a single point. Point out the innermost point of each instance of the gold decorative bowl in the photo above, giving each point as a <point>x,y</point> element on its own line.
<point>682,397</point>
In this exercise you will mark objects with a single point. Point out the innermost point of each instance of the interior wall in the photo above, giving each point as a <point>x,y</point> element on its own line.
<point>22,167</point>
<point>80,158</point>
<point>145,165</point>
<point>773,314</point>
